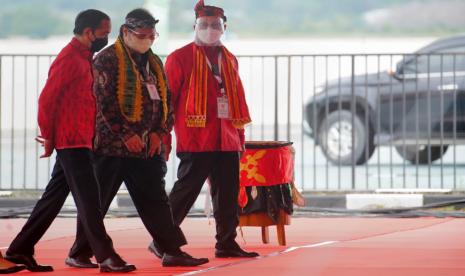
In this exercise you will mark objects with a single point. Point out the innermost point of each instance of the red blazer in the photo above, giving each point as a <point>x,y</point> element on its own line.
<point>67,103</point>
<point>218,134</point>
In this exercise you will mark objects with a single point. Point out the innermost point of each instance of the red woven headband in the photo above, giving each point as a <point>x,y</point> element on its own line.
<point>202,10</point>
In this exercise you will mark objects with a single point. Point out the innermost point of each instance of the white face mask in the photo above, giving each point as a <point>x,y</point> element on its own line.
<point>141,46</point>
<point>208,30</point>
<point>209,36</point>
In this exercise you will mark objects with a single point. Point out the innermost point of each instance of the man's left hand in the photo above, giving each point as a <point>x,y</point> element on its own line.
<point>48,145</point>
<point>155,144</point>
<point>242,152</point>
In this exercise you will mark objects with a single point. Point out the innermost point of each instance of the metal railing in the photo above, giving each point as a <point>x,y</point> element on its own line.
<point>358,122</point>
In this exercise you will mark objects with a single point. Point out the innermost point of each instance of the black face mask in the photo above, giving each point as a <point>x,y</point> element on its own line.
<point>98,44</point>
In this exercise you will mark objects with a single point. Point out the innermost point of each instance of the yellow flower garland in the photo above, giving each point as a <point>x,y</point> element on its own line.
<point>155,66</point>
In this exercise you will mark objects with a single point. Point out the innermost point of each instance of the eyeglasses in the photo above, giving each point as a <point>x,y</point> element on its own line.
<point>153,35</point>
<point>205,25</point>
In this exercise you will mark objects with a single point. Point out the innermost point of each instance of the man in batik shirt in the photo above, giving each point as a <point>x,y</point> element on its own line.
<point>133,112</point>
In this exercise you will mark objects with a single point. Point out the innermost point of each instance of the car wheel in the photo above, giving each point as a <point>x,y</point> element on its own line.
<point>411,151</point>
<point>335,137</point>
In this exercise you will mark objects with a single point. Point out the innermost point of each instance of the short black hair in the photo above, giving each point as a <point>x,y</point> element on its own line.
<point>89,19</point>
<point>142,14</point>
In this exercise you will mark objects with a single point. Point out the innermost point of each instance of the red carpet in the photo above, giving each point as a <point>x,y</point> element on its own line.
<point>316,246</point>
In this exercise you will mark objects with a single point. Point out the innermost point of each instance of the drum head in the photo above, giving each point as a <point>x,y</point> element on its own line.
<point>266,144</point>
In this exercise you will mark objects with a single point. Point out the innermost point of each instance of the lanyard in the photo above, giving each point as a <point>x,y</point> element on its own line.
<point>217,74</point>
<point>148,76</point>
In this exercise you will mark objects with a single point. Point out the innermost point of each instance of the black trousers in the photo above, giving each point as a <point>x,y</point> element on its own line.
<point>72,172</point>
<point>222,169</point>
<point>145,181</point>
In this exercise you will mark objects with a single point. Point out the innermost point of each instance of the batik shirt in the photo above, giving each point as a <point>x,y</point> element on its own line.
<point>112,128</point>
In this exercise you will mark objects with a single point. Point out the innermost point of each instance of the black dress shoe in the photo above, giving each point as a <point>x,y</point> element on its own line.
<point>116,264</point>
<point>156,250</point>
<point>29,262</point>
<point>234,253</point>
<point>12,269</point>
<point>182,259</point>
<point>80,262</point>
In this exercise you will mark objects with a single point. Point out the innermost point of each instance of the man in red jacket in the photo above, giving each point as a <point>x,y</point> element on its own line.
<point>67,120</point>
<point>210,113</point>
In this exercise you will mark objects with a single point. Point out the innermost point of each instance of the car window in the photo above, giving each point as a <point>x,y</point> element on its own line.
<point>459,58</point>
<point>437,63</point>
<point>421,63</point>
<point>452,50</point>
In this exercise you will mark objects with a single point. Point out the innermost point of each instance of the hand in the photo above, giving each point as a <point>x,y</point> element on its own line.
<point>242,152</point>
<point>134,144</point>
<point>155,144</point>
<point>48,145</point>
<point>167,152</point>
<point>166,140</point>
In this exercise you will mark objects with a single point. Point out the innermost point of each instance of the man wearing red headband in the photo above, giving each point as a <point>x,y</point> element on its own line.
<point>210,113</point>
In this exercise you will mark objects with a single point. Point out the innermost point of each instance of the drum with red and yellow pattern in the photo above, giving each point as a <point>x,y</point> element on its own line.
<point>266,175</point>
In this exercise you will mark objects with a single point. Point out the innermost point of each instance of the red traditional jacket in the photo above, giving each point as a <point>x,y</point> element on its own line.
<point>67,103</point>
<point>218,134</point>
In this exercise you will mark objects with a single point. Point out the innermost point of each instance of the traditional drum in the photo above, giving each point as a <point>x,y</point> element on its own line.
<point>266,186</point>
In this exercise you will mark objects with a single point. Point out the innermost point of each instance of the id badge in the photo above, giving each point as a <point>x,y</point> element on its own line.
<point>153,91</point>
<point>223,108</point>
